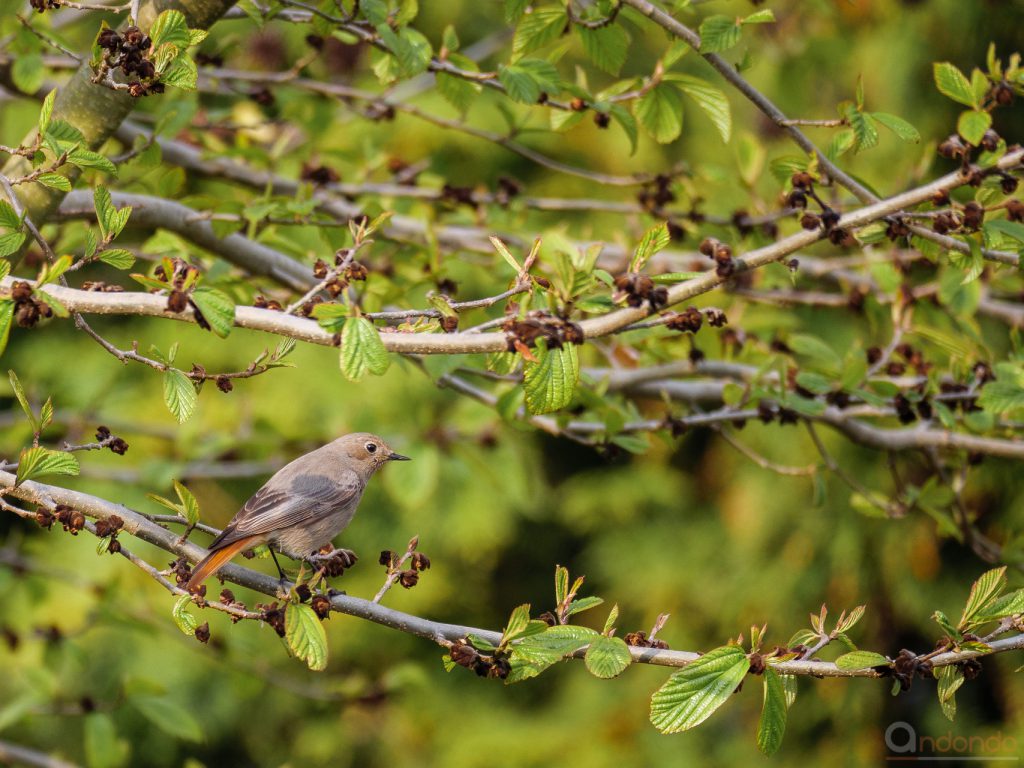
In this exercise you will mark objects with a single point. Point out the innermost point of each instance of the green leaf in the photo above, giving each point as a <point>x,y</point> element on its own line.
<point>102,747</point>
<point>691,695</point>
<point>584,604</point>
<point>816,350</point>
<point>528,78</point>
<point>627,122</point>
<point>182,73</point>
<point>119,258</point>
<point>305,635</point>
<point>984,592</point>
<point>764,16</point>
<point>179,394</point>
<point>606,46</point>
<point>1002,396</point>
<point>660,112</point>
<point>188,503</point>
<point>457,91</point>
<point>8,217</point>
<point>774,708</point>
<point>19,393</point>
<point>1012,229</point>
<point>11,242</point>
<point>865,133</point>
<point>972,126</point>
<point>950,678</point>
<point>710,99</point>
<point>951,82</point>
<point>561,584</point>
<point>362,350</point>
<point>6,320</point>
<point>38,461</point>
<point>537,29</point>
<point>654,240</point>
<point>169,716</point>
<point>55,181</point>
<point>170,27</point>
<point>85,158</point>
<point>549,383</point>
<point>898,125</point>
<point>46,111</point>
<point>607,657</point>
<point>105,213</point>
<point>27,72</point>
<point>514,10</point>
<point>186,622</point>
<point>533,654</point>
<point>1008,605</point>
<point>517,623</point>
<point>719,33</point>
<point>861,660</point>
<point>217,308</point>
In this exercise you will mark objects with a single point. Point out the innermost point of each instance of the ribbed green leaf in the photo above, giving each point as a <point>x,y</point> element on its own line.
<point>660,112</point>
<point>549,383</point>
<point>710,99</point>
<point>38,461</point>
<point>305,635</point>
<point>772,725</point>
<point>169,716</point>
<point>719,33</point>
<point>951,82</point>
<point>179,394</point>
<point>533,654</point>
<point>861,660</point>
<point>362,350</point>
<point>218,310</point>
<point>607,657</point>
<point>691,695</point>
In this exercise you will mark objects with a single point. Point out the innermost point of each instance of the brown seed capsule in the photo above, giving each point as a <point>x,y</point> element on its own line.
<point>102,433</point>
<point>1015,210</point>
<point>21,291</point>
<point>44,518</point>
<point>1008,184</point>
<point>990,141</point>
<point>409,578</point>
<point>118,446</point>
<point>1002,93</point>
<point>202,633</point>
<point>577,104</point>
<point>321,605</point>
<point>463,654</point>
<point>602,120</point>
<point>177,301</point>
<point>810,221</point>
<point>450,323</point>
<point>108,526</point>
<point>974,215</point>
<point>420,562</point>
<point>953,148</point>
<point>802,180</point>
<point>303,592</point>
<point>638,639</point>
<point>708,246</point>
<point>387,558</point>
<point>757,664</point>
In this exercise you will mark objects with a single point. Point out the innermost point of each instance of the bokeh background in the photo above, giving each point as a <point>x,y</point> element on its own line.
<point>92,657</point>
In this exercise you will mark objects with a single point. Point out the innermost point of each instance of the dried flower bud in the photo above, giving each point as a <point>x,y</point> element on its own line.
<point>408,578</point>
<point>177,301</point>
<point>387,558</point>
<point>321,606</point>
<point>118,446</point>
<point>420,562</point>
<point>202,633</point>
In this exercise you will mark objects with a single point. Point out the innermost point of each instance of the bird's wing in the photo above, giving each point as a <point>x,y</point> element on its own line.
<point>289,501</point>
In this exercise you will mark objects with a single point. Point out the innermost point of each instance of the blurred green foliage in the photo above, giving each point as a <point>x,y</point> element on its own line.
<point>94,668</point>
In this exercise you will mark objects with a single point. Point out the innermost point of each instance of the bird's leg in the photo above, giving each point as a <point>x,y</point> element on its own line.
<point>283,580</point>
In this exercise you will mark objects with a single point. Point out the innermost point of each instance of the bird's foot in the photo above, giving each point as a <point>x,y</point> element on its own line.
<point>333,562</point>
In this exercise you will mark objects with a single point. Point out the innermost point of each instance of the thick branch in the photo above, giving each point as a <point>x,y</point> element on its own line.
<point>137,525</point>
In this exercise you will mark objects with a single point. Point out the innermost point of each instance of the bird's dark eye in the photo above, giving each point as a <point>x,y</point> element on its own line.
<point>371,447</point>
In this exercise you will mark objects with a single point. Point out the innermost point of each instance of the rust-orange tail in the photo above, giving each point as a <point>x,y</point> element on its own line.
<point>213,562</point>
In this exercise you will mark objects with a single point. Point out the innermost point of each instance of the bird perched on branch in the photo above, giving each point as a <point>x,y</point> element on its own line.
<point>302,507</point>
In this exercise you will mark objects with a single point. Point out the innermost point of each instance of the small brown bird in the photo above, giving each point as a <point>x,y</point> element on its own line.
<point>302,507</point>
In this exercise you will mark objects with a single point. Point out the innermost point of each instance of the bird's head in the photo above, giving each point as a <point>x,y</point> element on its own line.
<point>368,451</point>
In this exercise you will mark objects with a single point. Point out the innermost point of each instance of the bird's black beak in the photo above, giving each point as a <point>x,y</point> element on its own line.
<point>398,457</point>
